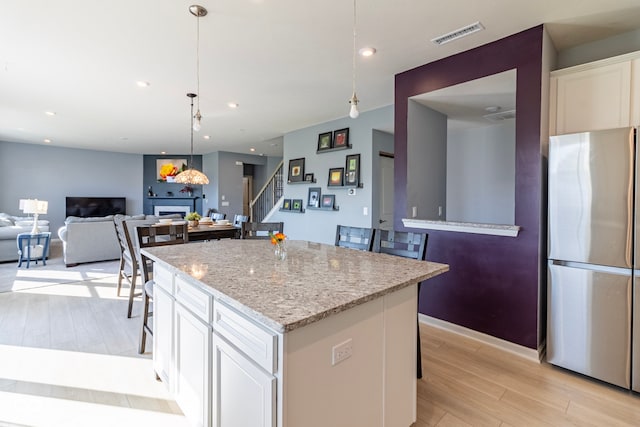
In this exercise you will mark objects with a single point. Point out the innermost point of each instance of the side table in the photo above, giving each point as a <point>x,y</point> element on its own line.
<point>33,247</point>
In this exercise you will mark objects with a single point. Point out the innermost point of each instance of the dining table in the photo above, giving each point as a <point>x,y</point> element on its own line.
<point>213,231</point>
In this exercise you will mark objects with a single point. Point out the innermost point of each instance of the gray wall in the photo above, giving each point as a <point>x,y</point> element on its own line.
<point>481,177</point>
<point>426,161</point>
<point>600,49</point>
<point>225,179</point>
<point>319,225</point>
<point>52,173</point>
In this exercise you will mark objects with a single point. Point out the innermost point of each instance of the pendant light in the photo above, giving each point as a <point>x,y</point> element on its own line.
<point>197,11</point>
<point>191,175</point>
<point>353,111</point>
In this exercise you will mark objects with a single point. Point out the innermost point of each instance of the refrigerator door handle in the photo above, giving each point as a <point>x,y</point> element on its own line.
<point>593,267</point>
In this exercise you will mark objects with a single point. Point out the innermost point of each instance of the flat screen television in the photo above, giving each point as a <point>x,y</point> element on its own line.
<point>95,206</point>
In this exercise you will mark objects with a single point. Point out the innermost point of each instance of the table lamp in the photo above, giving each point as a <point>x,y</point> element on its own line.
<point>35,207</point>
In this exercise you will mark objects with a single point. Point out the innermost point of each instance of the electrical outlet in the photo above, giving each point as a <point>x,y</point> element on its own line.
<point>341,351</point>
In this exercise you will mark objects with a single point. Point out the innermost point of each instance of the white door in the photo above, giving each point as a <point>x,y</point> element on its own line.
<point>385,222</point>
<point>243,393</point>
<point>192,359</point>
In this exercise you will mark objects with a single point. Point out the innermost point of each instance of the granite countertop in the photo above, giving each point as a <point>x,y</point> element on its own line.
<point>315,281</point>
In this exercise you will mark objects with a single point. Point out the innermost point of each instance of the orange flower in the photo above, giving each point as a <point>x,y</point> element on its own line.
<point>277,238</point>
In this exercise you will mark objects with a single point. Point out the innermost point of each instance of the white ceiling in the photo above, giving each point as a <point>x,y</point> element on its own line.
<point>286,62</point>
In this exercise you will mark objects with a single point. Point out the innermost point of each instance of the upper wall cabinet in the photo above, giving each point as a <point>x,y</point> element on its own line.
<point>592,96</point>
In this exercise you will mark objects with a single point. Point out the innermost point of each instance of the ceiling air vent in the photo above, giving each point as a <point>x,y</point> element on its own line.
<point>501,116</point>
<point>460,32</point>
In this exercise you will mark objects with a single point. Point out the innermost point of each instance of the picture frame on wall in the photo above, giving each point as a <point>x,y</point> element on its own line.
<point>296,205</point>
<point>324,141</point>
<point>328,201</point>
<point>313,201</point>
<point>296,170</point>
<point>336,177</point>
<point>286,205</point>
<point>341,138</point>
<point>308,177</point>
<point>352,170</point>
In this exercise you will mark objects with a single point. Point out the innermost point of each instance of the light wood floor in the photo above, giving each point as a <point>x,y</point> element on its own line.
<point>68,358</point>
<point>467,383</point>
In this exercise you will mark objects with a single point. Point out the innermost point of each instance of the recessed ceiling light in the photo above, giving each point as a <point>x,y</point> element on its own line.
<point>233,104</point>
<point>252,149</point>
<point>206,137</point>
<point>50,113</point>
<point>367,51</point>
<point>163,152</point>
<point>47,141</point>
<point>141,83</point>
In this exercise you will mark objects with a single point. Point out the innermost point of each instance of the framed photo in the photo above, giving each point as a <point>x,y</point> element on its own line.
<point>336,177</point>
<point>296,170</point>
<point>324,141</point>
<point>286,205</point>
<point>328,201</point>
<point>308,177</point>
<point>340,138</point>
<point>167,169</point>
<point>296,205</point>
<point>352,170</point>
<point>314,197</point>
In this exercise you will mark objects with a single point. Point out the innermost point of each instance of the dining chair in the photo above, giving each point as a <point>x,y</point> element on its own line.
<point>354,237</point>
<point>407,245</point>
<point>149,236</point>
<point>239,219</point>
<point>260,230</point>
<point>218,215</point>
<point>128,267</point>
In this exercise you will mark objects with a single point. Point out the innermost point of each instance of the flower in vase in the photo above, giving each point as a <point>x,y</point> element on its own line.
<point>277,238</point>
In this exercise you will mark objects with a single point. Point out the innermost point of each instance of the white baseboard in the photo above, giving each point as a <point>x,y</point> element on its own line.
<point>516,349</point>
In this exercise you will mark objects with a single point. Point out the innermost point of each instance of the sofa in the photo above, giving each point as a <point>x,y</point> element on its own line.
<point>89,240</point>
<point>10,227</point>
<point>95,239</point>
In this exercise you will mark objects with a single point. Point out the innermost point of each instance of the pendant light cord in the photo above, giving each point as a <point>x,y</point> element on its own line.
<point>191,158</point>
<point>354,49</point>
<point>197,62</point>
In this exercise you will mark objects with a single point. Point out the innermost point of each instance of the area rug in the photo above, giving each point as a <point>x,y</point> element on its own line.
<point>55,272</point>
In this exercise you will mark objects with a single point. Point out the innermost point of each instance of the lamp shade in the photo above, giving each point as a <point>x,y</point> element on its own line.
<point>191,176</point>
<point>34,206</point>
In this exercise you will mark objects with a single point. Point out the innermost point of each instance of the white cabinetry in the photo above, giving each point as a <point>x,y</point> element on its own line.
<point>635,92</point>
<point>243,393</point>
<point>163,334</point>
<point>163,302</point>
<point>599,95</point>
<point>592,99</point>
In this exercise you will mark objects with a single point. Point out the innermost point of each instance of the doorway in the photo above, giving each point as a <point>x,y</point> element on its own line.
<point>247,194</point>
<point>385,208</point>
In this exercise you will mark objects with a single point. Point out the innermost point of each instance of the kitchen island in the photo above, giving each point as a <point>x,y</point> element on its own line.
<point>326,337</point>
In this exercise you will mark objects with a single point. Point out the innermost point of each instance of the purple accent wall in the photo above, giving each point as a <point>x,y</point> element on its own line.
<point>492,285</point>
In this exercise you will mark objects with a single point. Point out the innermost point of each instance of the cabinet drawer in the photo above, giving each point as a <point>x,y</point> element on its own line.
<point>258,343</point>
<point>196,300</point>
<point>163,278</point>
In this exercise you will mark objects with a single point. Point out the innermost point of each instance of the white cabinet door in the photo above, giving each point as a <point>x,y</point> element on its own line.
<point>594,99</point>
<point>163,335</point>
<point>192,380</point>
<point>243,393</point>
<point>635,92</point>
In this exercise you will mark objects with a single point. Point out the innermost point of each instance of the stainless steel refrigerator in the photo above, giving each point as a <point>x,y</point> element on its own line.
<point>594,294</point>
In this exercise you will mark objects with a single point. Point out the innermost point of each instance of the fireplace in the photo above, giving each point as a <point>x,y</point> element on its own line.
<point>168,210</point>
